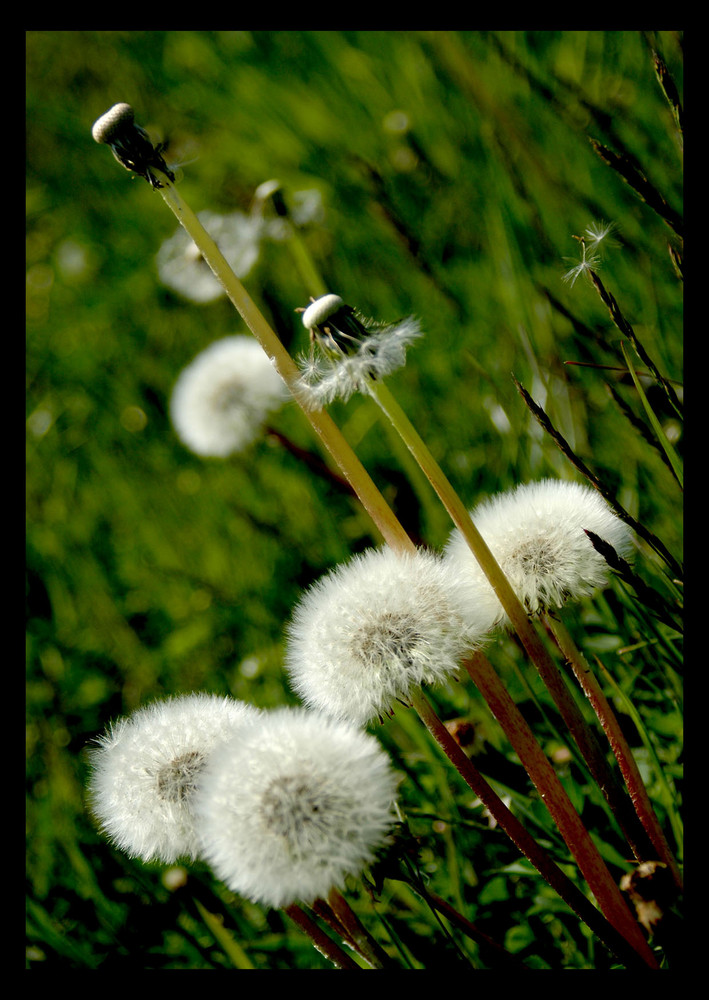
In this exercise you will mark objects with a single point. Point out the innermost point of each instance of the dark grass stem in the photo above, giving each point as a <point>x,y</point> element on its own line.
<point>606,716</point>
<point>634,177</point>
<point>619,930</point>
<point>358,936</point>
<point>544,776</point>
<point>626,329</point>
<point>543,419</point>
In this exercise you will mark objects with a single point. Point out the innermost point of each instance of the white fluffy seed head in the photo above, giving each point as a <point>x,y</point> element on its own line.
<point>222,398</point>
<point>379,626</point>
<point>115,119</point>
<point>536,534</point>
<point>146,767</point>
<point>293,805</point>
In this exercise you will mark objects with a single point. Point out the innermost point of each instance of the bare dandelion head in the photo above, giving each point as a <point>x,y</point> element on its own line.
<point>222,398</point>
<point>146,767</point>
<point>348,353</point>
<point>293,805</point>
<point>130,144</point>
<point>537,534</point>
<point>377,627</point>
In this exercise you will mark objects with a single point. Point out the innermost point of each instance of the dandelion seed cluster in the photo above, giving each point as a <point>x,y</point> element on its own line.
<point>293,805</point>
<point>536,534</point>
<point>377,627</point>
<point>352,353</point>
<point>146,767</point>
<point>222,398</point>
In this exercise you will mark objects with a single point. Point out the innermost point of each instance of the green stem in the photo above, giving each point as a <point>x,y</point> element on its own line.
<point>619,930</point>
<point>328,432</point>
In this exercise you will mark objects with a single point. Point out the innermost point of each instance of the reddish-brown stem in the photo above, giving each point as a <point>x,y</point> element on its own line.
<point>324,944</point>
<point>625,938</point>
<point>631,774</point>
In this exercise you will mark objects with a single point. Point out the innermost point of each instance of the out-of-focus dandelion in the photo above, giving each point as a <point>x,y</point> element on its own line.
<point>293,805</point>
<point>380,625</point>
<point>145,768</point>
<point>222,398</point>
<point>348,353</point>
<point>182,268</point>
<point>537,534</point>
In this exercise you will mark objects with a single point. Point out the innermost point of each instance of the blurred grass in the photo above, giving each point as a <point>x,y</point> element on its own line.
<point>454,168</point>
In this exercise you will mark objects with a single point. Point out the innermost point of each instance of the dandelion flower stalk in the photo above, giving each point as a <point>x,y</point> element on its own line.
<point>326,429</point>
<point>617,929</point>
<point>323,942</point>
<point>132,148</point>
<point>604,711</point>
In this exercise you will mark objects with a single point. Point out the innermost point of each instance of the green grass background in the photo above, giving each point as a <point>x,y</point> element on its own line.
<point>152,572</point>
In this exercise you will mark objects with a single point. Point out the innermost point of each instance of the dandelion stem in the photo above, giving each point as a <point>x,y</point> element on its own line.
<point>620,931</point>
<point>547,783</point>
<point>330,435</point>
<point>621,749</point>
<point>360,938</point>
<point>324,944</point>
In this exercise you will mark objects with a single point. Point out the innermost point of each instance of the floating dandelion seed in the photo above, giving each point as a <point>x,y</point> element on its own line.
<point>536,533</point>
<point>145,769</point>
<point>347,352</point>
<point>222,398</point>
<point>377,627</point>
<point>293,805</point>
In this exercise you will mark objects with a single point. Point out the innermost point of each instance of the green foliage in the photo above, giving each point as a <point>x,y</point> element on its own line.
<point>454,168</point>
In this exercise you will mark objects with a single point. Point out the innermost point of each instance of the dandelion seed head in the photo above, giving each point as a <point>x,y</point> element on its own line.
<point>293,805</point>
<point>536,533</point>
<point>146,767</point>
<point>375,628</point>
<point>352,353</point>
<point>222,398</point>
